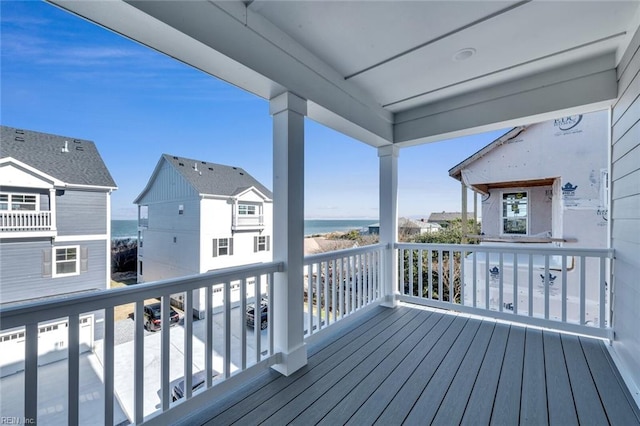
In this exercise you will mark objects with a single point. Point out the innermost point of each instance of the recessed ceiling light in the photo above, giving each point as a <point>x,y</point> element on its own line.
<point>464,54</point>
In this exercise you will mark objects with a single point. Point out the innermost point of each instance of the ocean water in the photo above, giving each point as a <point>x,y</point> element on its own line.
<point>129,228</point>
<point>121,229</point>
<point>324,226</point>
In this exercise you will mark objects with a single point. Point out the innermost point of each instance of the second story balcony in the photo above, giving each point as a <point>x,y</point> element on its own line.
<point>14,223</point>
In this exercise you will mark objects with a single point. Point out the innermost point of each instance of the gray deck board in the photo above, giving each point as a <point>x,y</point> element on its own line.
<point>452,408</point>
<point>480,403</point>
<point>388,389</point>
<point>406,397</point>
<point>533,404</point>
<point>361,381</point>
<point>585,394</point>
<point>337,383</point>
<point>414,366</point>
<point>506,407</point>
<point>613,396</point>
<point>562,410</point>
<point>323,374</point>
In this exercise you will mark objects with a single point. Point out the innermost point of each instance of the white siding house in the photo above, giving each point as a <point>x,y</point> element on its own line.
<point>542,185</point>
<point>197,216</point>
<point>54,231</point>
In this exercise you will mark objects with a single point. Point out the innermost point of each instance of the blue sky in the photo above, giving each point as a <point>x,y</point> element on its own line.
<point>66,76</point>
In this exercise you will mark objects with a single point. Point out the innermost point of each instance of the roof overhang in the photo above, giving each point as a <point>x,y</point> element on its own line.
<point>42,180</point>
<point>382,72</point>
<point>484,188</point>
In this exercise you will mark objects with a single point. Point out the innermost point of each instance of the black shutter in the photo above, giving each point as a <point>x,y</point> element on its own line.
<point>255,244</point>
<point>268,243</point>
<point>230,246</point>
<point>215,248</point>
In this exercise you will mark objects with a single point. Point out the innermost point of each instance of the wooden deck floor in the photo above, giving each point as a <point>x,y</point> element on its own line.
<point>417,367</point>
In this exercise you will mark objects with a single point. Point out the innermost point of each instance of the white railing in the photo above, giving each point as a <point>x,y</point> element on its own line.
<point>25,220</point>
<point>562,288</point>
<point>242,221</point>
<point>338,283</point>
<point>225,345</point>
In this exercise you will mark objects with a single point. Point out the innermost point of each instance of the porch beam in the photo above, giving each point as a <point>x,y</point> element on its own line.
<point>581,87</point>
<point>389,221</point>
<point>288,111</point>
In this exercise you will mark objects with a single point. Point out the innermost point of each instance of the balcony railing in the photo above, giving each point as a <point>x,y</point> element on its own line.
<point>25,220</point>
<point>224,345</point>
<point>339,283</point>
<point>562,288</point>
<point>247,221</point>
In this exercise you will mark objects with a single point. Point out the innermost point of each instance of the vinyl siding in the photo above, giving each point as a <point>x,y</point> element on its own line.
<point>21,270</point>
<point>625,212</point>
<point>81,213</point>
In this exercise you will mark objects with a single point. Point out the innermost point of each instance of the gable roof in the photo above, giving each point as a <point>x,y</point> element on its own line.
<point>210,178</point>
<point>456,171</point>
<point>446,217</point>
<point>81,164</point>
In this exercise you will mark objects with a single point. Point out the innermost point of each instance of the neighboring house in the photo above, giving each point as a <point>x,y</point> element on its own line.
<point>409,227</point>
<point>196,216</point>
<point>55,225</point>
<point>54,216</point>
<point>443,219</point>
<point>544,184</point>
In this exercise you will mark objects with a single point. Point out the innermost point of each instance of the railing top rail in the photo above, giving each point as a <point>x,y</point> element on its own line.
<point>45,310</point>
<point>321,257</point>
<point>558,251</point>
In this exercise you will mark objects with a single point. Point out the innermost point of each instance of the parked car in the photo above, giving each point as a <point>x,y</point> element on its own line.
<point>197,382</point>
<point>264,309</point>
<point>152,317</point>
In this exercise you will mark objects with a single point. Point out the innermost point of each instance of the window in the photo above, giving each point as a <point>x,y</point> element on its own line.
<point>246,209</point>
<point>514,213</point>
<point>181,209</point>
<point>260,244</point>
<point>18,202</point>
<point>66,261</point>
<point>222,247</point>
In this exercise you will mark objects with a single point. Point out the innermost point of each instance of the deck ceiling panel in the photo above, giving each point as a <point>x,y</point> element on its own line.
<point>365,64</point>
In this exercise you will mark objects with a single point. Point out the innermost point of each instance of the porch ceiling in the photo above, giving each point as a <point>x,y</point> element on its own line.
<point>392,71</point>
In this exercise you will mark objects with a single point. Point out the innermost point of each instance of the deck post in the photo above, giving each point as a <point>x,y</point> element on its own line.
<point>389,221</point>
<point>288,111</point>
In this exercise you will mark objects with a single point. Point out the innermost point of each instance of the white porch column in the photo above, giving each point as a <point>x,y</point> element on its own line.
<point>288,113</point>
<point>389,220</point>
<point>465,220</point>
<point>53,209</point>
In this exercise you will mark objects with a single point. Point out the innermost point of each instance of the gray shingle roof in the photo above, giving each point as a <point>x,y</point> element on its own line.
<point>215,179</point>
<point>81,165</point>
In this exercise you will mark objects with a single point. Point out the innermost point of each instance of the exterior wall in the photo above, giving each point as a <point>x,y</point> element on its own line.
<point>625,196</point>
<point>216,222</point>
<point>23,273</point>
<point>171,241</point>
<point>574,154</point>
<point>161,257</point>
<point>82,213</point>
<point>540,210</point>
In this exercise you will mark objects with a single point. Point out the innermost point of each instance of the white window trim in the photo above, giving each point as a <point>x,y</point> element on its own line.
<point>11,194</point>
<point>54,262</point>
<point>246,212</point>
<point>502,218</point>
<point>219,247</point>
